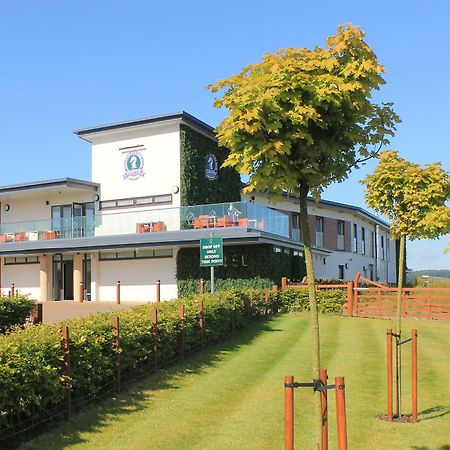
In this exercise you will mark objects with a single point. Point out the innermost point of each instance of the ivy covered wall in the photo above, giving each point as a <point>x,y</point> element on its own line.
<point>195,188</point>
<point>245,266</point>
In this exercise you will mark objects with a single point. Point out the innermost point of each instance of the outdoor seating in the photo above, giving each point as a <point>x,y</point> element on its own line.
<point>159,226</point>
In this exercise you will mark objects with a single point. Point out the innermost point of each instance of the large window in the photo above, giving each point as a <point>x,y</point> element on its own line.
<point>73,220</point>
<point>340,235</point>
<point>355,238</point>
<point>319,231</point>
<point>137,254</point>
<point>363,241</point>
<point>155,200</point>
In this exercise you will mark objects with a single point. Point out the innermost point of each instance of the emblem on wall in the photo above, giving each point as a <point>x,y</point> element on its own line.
<point>212,168</point>
<point>134,165</point>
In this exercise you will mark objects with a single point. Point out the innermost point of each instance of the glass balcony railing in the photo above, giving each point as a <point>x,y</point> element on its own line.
<point>219,215</point>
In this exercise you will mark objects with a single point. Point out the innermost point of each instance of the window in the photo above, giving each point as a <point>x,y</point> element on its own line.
<point>363,241</point>
<point>341,268</point>
<point>138,254</point>
<point>319,231</point>
<point>136,201</point>
<point>340,235</point>
<point>383,253</point>
<point>355,238</point>
<point>21,260</point>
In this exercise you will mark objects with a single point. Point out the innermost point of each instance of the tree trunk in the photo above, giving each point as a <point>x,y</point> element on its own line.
<point>401,264</point>
<point>398,368</point>
<point>315,353</point>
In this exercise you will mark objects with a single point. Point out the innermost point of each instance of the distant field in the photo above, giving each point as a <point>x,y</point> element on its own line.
<point>231,397</point>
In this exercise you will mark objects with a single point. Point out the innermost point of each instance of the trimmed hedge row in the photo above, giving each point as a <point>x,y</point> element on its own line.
<point>14,311</point>
<point>30,359</point>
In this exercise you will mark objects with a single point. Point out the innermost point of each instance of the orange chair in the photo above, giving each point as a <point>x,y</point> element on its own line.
<point>224,221</point>
<point>21,236</point>
<point>159,226</point>
<point>201,222</point>
<point>243,222</point>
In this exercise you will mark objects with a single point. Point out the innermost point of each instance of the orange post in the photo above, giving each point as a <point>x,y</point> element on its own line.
<point>283,283</point>
<point>64,332</point>
<point>116,348</point>
<point>154,332</point>
<point>324,402</point>
<point>181,342</point>
<point>202,286</point>
<point>350,299</point>
<point>389,373</point>
<point>81,292</point>
<point>414,375</point>
<point>288,413</point>
<point>12,289</point>
<point>266,308</point>
<point>340,413</point>
<point>158,291</point>
<point>200,322</point>
<point>118,292</point>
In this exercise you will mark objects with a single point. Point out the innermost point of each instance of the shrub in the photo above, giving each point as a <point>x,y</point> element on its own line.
<point>329,301</point>
<point>14,311</point>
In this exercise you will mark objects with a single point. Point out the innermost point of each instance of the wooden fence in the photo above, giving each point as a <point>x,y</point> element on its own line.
<point>374,299</point>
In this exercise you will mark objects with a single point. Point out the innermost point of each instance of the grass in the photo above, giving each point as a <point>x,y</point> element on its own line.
<point>231,397</point>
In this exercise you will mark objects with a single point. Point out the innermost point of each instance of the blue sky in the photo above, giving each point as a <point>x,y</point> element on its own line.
<point>73,64</point>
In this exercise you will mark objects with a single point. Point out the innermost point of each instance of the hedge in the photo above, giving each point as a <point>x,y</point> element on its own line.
<point>31,386</point>
<point>14,311</point>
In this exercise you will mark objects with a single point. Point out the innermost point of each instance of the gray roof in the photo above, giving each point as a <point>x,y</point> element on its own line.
<point>48,184</point>
<point>181,115</point>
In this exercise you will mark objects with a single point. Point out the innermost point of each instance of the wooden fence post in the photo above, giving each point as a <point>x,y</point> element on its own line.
<point>36,315</point>
<point>324,402</point>
<point>389,374</point>
<point>356,293</point>
<point>13,286</point>
<point>65,347</point>
<point>266,307</point>
<point>154,332</point>
<point>118,292</point>
<point>350,299</point>
<point>181,343</point>
<point>116,349</point>
<point>283,283</point>
<point>288,413</point>
<point>414,375</point>
<point>200,322</point>
<point>380,304</point>
<point>340,413</point>
<point>158,291</point>
<point>202,286</point>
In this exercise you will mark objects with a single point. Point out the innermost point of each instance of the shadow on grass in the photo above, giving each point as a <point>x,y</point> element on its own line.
<point>435,412</point>
<point>444,447</point>
<point>136,396</point>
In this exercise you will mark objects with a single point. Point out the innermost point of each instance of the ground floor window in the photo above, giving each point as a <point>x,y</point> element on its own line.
<point>21,260</point>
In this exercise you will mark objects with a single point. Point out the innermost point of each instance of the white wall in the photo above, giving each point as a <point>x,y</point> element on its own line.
<point>160,148</point>
<point>137,279</point>
<point>25,278</point>
<point>32,206</point>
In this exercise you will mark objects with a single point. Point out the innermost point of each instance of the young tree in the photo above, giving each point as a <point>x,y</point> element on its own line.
<point>301,119</point>
<point>413,198</point>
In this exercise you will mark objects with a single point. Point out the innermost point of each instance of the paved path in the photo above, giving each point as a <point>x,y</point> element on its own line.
<point>55,311</point>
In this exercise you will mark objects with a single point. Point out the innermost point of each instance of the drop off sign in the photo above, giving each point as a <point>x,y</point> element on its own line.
<point>211,252</point>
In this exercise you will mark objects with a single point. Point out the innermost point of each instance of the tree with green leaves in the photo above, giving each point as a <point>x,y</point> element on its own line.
<point>302,119</point>
<point>414,199</point>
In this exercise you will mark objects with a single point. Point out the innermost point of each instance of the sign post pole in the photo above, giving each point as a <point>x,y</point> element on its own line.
<point>211,255</point>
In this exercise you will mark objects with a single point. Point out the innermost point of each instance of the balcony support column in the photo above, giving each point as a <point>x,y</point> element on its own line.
<point>77,276</point>
<point>44,266</point>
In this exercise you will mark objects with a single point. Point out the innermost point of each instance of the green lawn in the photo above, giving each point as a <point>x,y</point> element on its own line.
<point>231,397</point>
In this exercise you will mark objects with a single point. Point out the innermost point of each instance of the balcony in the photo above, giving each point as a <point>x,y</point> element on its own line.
<point>214,216</point>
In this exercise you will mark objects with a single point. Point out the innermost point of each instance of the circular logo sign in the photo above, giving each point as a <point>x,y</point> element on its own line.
<point>134,165</point>
<point>212,168</point>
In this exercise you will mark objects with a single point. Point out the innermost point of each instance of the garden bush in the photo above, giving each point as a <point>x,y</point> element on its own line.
<point>14,311</point>
<point>31,381</point>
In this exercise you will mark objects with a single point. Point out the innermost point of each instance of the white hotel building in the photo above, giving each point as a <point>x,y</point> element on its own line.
<point>156,189</point>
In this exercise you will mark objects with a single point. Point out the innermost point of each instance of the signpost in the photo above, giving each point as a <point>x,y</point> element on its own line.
<point>211,255</point>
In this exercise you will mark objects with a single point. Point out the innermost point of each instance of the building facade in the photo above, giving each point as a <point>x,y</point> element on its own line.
<point>157,187</point>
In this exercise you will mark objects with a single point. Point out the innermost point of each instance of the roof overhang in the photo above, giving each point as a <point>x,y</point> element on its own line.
<point>181,238</point>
